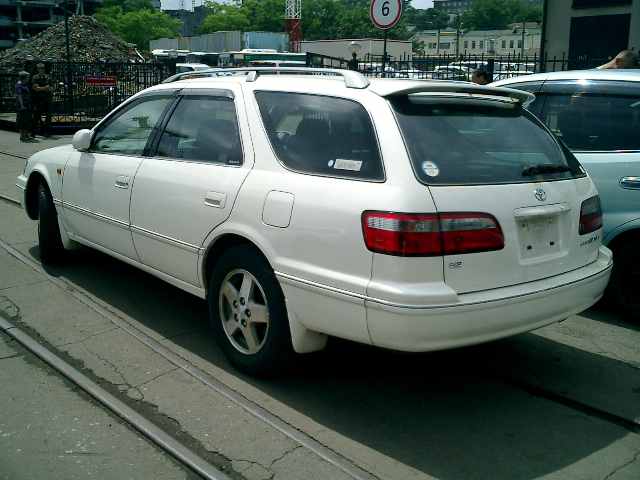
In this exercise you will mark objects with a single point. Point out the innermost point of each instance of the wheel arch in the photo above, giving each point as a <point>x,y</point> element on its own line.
<point>31,193</point>
<point>303,339</point>
<point>625,234</point>
<point>221,244</point>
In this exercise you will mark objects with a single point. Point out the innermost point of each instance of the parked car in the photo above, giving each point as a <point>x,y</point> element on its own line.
<point>410,215</point>
<point>452,73</point>
<point>597,115</point>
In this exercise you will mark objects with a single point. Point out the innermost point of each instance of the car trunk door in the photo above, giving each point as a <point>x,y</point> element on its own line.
<point>541,237</point>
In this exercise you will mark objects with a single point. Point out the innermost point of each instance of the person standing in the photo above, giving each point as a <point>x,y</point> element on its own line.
<point>41,87</point>
<point>481,77</point>
<point>24,107</point>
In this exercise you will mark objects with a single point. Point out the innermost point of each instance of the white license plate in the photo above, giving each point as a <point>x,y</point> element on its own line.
<point>539,236</point>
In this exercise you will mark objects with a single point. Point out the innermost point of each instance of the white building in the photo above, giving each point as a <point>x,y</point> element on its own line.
<point>396,49</point>
<point>483,42</point>
<point>188,5</point>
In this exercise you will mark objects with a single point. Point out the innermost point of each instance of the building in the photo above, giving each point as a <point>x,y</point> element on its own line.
<point>369,48</point>
<point>590,32</point>
<point>453,7</point>
<point>483,42</point>
<point>191,19</point>
<point>188,5</point>
<point>22,19</point>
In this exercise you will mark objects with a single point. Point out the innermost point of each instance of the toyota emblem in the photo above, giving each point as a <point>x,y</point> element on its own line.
<point>540,194</point>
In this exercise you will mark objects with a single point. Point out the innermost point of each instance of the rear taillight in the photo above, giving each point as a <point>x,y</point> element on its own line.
<point>424,235</point>
<point>590,215</point>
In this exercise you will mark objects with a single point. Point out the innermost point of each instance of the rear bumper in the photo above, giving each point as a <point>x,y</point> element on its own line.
<point>486,316</point>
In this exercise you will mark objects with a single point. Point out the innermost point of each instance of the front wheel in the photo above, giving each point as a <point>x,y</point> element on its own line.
<point>248,314</point>
<point>49,239</point>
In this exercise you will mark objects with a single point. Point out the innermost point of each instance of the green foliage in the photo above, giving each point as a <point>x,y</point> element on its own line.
<point>499,13</point>
<point>426,19</point>
<point>137,26</point>
<point>322,19</point>
<point>224,17</point>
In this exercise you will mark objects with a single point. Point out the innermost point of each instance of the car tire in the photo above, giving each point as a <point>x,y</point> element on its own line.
<point>622,291</point>
<point>49,239</point>
<point>258,342</point>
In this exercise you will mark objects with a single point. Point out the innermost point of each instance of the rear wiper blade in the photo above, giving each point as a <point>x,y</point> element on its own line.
<point>544,168</point>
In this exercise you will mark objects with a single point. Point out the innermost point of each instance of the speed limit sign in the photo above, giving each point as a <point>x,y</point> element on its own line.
<point>386,13</point>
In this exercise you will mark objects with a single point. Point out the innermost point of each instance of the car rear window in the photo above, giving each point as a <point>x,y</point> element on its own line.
<point>321,135</point>
<point>463,142</point>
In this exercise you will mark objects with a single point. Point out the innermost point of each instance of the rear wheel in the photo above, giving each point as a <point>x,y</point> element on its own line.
<point>248,313</point>
<point>49,239</point>
<point>625,278</point>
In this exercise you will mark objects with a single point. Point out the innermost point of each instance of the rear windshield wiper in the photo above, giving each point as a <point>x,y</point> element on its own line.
<point>544,168</point>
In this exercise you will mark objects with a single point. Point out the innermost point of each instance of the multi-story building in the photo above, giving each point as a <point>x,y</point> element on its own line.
<point>589,32</point>
<point>21,19</point>
<point>454,7</point>
<point>496,42</point>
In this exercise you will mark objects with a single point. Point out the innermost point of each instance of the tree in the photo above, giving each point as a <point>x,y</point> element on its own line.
<point>427,19</point>
<point>486,14</point>
<point>138,26</point>
<point>225,17</point>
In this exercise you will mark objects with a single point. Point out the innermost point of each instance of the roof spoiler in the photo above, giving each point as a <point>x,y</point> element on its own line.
<point>351,79</point>
<point>449,87</point>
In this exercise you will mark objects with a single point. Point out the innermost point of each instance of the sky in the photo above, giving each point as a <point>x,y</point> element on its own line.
<point>175,4</point>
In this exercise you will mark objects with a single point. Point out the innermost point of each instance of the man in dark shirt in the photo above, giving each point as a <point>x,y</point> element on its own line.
<point>24,107</point>
<point>41,87</point>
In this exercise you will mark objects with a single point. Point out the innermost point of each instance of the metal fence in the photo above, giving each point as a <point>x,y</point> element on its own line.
<point>83,93</point>
<point>452,67</point>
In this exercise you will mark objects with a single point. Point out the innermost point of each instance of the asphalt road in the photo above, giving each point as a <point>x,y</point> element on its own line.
<point>561,403</point>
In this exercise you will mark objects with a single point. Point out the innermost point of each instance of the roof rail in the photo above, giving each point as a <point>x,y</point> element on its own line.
<point>351,79</point>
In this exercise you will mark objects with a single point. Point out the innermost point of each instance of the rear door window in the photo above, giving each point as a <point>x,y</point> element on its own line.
<point>470,143</point>
<point>321,135</point>
<point>594,116</point>
<point>203,128</point>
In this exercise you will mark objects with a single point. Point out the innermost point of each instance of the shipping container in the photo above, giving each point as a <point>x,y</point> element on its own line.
<point>266,40</point>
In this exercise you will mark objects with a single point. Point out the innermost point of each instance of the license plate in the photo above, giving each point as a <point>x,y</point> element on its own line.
<point>539,236</point>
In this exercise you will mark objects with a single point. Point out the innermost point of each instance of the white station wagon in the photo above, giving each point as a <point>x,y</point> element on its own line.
<point>307,203</point>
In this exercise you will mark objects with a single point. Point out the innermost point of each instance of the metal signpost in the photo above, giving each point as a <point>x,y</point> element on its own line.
<point>385,14</point>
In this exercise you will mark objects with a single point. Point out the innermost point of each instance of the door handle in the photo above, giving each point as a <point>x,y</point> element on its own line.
<point>215,199</point>
<point>122,181</point>
<point>630,183</point>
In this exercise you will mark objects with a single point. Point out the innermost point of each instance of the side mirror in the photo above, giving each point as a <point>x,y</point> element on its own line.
<point>82,140</point>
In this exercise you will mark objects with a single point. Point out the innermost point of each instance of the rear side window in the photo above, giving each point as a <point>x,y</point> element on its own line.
<point>321,135</point>
<point>594,122</point>
<point>465,143</point>
<point>204,129</point>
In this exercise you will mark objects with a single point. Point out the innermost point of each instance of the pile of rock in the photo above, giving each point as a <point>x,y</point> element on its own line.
<point>89,41</point>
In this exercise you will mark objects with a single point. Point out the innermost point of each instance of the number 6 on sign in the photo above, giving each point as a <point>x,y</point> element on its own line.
<point>385,14</point>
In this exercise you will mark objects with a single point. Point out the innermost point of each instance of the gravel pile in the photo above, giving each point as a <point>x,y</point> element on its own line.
<point>89,41</point>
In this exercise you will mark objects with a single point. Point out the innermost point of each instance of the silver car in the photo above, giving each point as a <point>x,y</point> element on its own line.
<point>597,115</point>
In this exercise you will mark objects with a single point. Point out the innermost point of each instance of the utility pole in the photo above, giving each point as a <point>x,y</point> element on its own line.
<point>69,87</point>
<point>522,47</point>
<point>457,35</point>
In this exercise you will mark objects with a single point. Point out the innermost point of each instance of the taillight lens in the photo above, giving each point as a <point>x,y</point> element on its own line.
<point>424,235</point>
<point>590,215</point>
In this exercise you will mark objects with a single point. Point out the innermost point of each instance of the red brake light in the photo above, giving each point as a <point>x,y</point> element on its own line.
<point>402,234</point>
<point>590,215</point>
<point>470,232</point>
<point>408,234</point>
